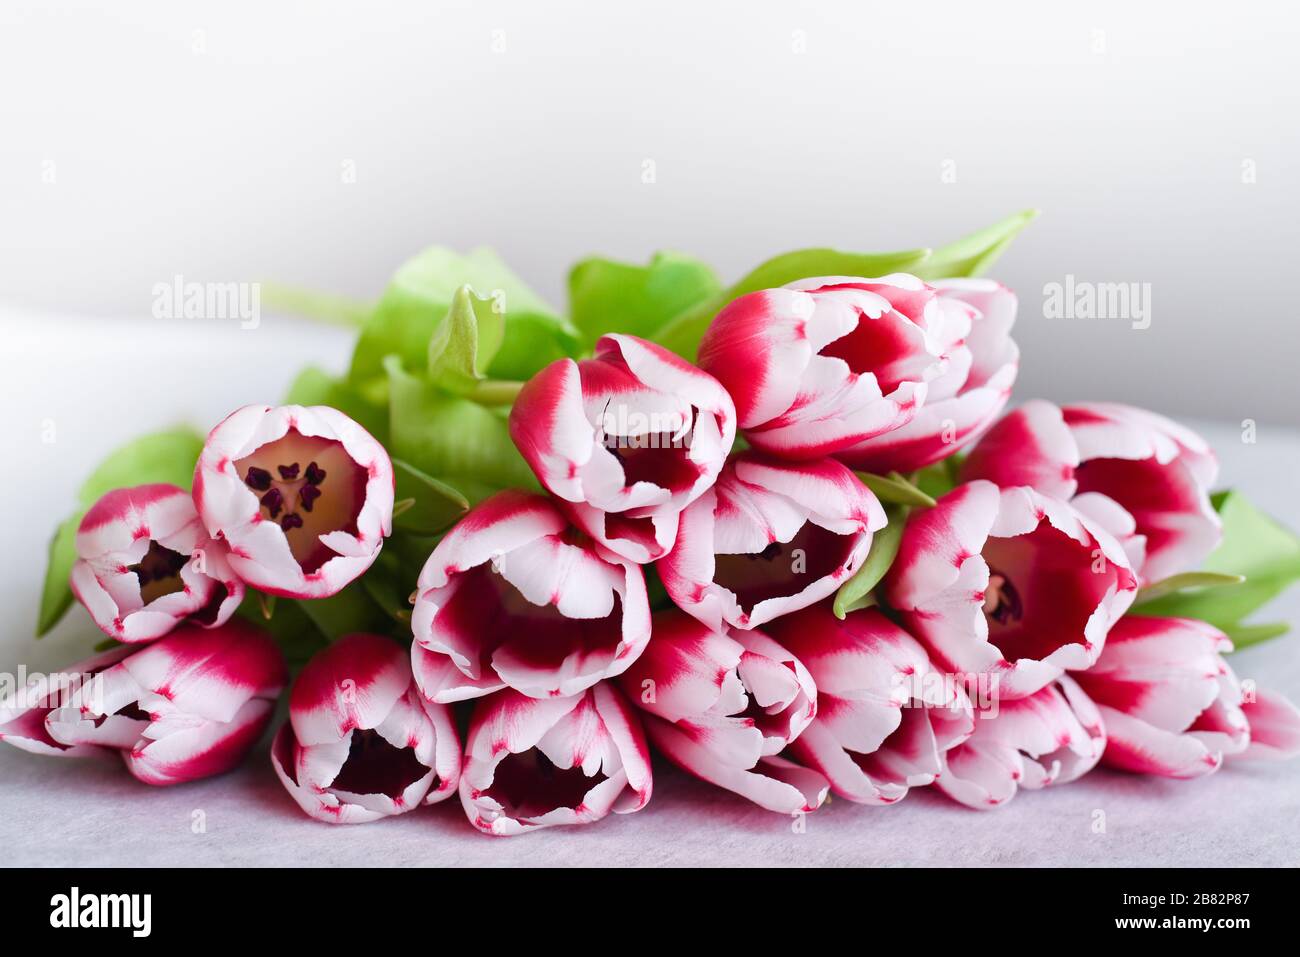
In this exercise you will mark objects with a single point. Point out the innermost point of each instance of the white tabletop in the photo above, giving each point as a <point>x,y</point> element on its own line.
<point>100,383</point>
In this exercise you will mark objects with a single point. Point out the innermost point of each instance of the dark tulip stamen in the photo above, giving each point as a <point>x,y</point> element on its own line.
<point>273,501</point>
<point>291,520</point>
<point>308,494</point>
<point>315,474</point>
<point>288,472</point>
<point>259,479</point>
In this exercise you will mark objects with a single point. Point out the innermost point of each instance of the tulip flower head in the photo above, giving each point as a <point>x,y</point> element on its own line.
<point>303,497</point>
<point>962,402</point>
<point>626,439</point>
<point>1054,736</point>
<point>1172,705</point>
<point>187,706</point>
<point>770,537</point>
<point>1008,583</point>
<point>513,596</point>
<point>823,365</point>
<point>885,716</point>
<point>724,706</point>
<point>361,743</point>
<point>1107,455</point>
<point>145,564</point>
<point>541,762</point>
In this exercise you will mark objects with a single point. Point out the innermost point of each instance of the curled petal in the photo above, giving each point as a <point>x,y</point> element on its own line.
<point>512,597</point>
<point>145,564</point>
<point>827,363</point>
<point>769,538</point>
<point>533,763</point>
<point>303,497</point>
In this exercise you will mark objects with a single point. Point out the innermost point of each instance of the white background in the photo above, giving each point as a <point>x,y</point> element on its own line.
<point>208,140</point>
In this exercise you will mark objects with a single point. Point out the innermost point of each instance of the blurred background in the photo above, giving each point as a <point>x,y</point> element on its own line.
<point>322,143</point>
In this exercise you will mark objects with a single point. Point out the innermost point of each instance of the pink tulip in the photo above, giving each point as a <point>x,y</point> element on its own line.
<point>885,717</point>
<point>626,440</point>
<point>187,706</point>
<point>723,707</point>
<point>1100,455</point>
<point>1008,583</point>
<point>768,538</point>
<point>1173,707</point>
<point>361,743</point>
<point>514,597</point>
<point>963,402</point>
<point>541,762</point>
<point>303,497</point>
<point>145,564</point>
<point>1054,736</point>
<point>823,365</point>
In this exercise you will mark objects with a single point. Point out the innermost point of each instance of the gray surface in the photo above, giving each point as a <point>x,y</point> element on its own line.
<point>101,390</point>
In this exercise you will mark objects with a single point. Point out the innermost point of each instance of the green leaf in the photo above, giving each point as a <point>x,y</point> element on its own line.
<point>465,341</point>
<point>1188,581</point>
<point>435,504</point>
<point>457,440</point>
<point>609,296</point>
<point>973,254</point>
<point>683,333</point>
<point>894,489</point>
<point>296,634</point>
<point>390,582</point>
<point>56,595</point>
<point>939,479</point>
<point>351,610</point>
<point>1253,546</point>
<point>315,386</point>
<point>322,307</point>
<point>420,296</point>
<point>1243,636</point>
<point>853,594</point>
<point>168,457</point>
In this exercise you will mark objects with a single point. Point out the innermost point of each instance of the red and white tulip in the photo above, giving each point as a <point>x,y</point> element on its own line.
<point>1054,736</point>
<point>1103,454</point>
<point>513,596</point>
<point>1173,706</point>
<point>303,497</point>
<point>361,742</point>
<point>768,538</point>
<point>187,706</point>
<point>1008,583</point>
<point>885,716</point>
<point>541,762</point>
<point>145,564</point>
<point>724,706</point>
<point>963,402</point>
<point>626,439</point>
<point>822,365</point>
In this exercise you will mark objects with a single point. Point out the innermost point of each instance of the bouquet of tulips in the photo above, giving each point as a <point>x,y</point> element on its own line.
<point>780,532</point>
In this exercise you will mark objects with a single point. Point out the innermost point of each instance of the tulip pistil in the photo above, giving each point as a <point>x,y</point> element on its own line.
<point>306,501</point>
<point>1002,600</point>
<point>159,572</point>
